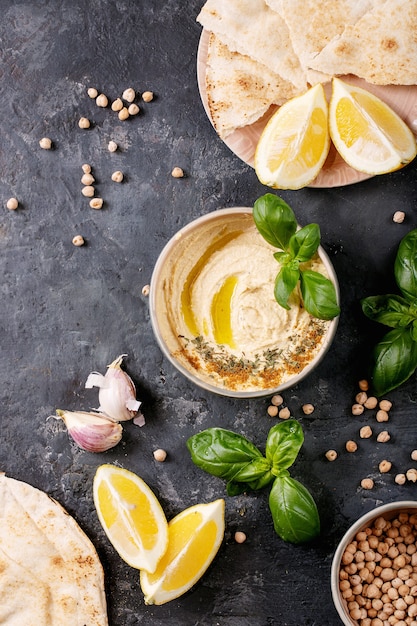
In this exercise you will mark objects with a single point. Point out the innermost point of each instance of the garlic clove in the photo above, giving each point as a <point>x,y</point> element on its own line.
<point>117,392</point>
<point>92,432</point>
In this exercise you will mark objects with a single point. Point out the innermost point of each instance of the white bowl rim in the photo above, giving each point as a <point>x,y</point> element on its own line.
<point>360,523</point>
<point>189,375</point>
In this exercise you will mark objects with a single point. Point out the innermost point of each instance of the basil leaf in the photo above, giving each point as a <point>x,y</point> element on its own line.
<point>390,310</point>
<point>405,265</point>
<point>275,220</point>
<point>227,455</point>
<point>235,488</point>
<point>305,242</point>
<point>395,358</point>
<point>285,283</point>
<point>293,510</point>
<point>319,295</point>
<point>283,445</point>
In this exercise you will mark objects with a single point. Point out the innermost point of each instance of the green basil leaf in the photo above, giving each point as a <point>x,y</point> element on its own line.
<point>305,242</point>
<point>319,295</point>
<point>283,444</point>
<point>227,455</point>
<point>390,310</point>
<point>235,488</point>
<point>395,360</point>
<point>275,220</point>
<point>293,510</point>
<point>283,258</point>
<point>285,283</point>
<point>405,265</point>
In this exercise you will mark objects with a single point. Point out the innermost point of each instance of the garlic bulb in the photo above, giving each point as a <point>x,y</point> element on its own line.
<point>117,392</point>
<point>93,432</point>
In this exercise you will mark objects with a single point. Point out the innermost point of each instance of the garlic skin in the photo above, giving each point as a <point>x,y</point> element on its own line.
<point>117,392</point>
<point>92,432</point>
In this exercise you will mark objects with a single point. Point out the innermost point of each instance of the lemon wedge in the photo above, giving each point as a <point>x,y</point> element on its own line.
<point>295,142</point>
<point>195,536</point>
<point>131,516</point>
<point>367,133</point>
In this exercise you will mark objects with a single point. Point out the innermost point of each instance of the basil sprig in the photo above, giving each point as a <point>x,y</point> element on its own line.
<point>228,455</point>
<point>395,356</point>
<point>276,222</point>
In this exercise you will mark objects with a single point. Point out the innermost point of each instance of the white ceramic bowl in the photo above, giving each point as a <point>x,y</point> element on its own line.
<point>387,511</point>
<point>182,259</point>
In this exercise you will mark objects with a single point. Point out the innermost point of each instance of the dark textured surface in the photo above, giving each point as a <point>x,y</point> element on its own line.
<point>66,311</point>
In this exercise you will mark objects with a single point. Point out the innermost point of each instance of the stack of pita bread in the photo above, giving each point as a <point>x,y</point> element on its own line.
<point>263,52</point>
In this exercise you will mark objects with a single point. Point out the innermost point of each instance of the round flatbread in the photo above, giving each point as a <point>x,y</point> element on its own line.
<point>50,572</point>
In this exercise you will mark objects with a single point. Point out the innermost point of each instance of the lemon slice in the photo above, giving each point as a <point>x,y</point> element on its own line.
<point>131,516</point>
<point>195,536</point>
<point>295,142</point>
<point>367,133</point>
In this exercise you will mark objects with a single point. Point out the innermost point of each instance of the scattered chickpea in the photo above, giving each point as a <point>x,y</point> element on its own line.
<point>385,405</point>
<point>414,455</point>
<point>363,385</point>
<point>133,109</point>
<point>160,455</point>
<point>365,432</point>
<point>240,536</point>
<point>351,446</point>
<point>88,191</point>
<point>371,402</point>
<point>385,466</point>
<point>123,114</point>
<point>84,122</point>
<point>45,143</point>
<point>400,479</point>
<point>331,455</point>
<point>382,416</point>
<point>383,436</point>
<point>367,483</point>
<point>112,146</point>
<point>96,203</point>
<point>147,96</point>
<point>129,94</point>
<point>78,240</point>
<point>284,414</point>
<point>177,172</point>
<point>87,179</point>
<point>12,204</point>
<point>117,176</point>
<point>398,217</point>
<point>102,101</point>
<point>86,168</point>
<point>411,475</point>
<point>277,400</point>
<point>357,409</point>
<point>146,290</point>
<point>361,397</point>
<point>117,105</point>
<point>308,409</point>
<point>92,93</point>
<point>272,410</point>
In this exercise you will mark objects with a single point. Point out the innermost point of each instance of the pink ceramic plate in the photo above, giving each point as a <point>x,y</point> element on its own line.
<point>335,172</point>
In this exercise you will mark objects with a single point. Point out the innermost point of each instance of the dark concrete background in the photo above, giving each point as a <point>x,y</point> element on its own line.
<point>66,311</point>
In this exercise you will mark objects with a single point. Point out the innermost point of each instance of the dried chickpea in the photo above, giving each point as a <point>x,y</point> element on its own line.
<point>96,203</point>
<point>112,146</point>
<point>78,240</point>
<point>385,405</point>
<point>133,109</point>
<point>367,483</point>
<point>385,466</point>
<point>146,290</point>
<point>331,455</point>
<point>272,410</point>
<point>361,397</point>
<point>357,409</point>
<point>45,143</point>
<point>117,176</point>
<point>351,446</point>
<point>87,179</point>
<point>123,114</point>
<point>382,416</point>
<point>284,413</point>
<point>398,217</point>
<point>88,191</point>
<point>177,172</point>
<point>371,402</point>
<point>308,409</point>
<point>414,455</point>
<point>411,475</point>
<point>365,432</point>
<point>117,105</point>
<point>363,385</point>
<point>102,101</point>
<point>160,455</point>
<point>92,93</point>
<point>383,436</point>
<point>129,94</point>
<point>240,536</point>
<point>277,400</point>
<point>83,122</point>
<point>147,96</point>
<point>12,204</point>
<point>86,168</point>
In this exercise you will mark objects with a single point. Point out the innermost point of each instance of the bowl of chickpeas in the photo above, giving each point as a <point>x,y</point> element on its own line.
<point>374,568</point>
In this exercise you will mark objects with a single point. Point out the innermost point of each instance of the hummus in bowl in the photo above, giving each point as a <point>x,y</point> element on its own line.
<point>214,313</point>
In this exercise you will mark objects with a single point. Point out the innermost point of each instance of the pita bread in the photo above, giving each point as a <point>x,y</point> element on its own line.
<point>239,89</point>
<point>380,47</point>
<point>251,28</point>
<point>50,573</point>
